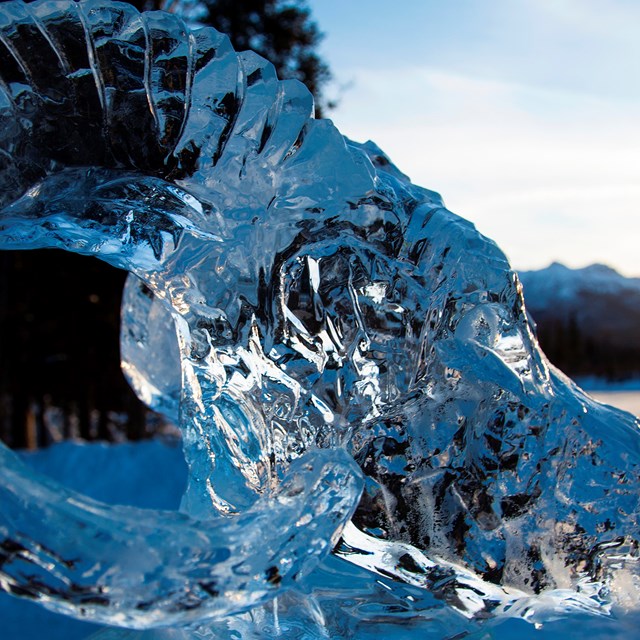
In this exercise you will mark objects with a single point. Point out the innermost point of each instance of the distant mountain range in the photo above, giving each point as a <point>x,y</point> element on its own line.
<point>588,320</point>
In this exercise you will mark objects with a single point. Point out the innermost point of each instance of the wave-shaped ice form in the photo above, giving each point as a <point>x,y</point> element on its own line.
<point>294,303</point>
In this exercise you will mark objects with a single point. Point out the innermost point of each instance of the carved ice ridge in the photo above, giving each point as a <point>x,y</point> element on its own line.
<point>294,304</point>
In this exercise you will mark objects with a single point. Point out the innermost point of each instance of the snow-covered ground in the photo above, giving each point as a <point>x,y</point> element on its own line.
<point>626,400</point>
<point>150,474</point>
<point>595,384</point>
<point>623,394</point>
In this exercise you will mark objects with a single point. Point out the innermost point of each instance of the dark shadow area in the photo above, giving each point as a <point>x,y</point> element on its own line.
<point>60,371</point>
<point>579,349</point>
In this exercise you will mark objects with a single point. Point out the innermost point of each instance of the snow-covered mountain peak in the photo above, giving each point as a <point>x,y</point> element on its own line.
<point>597,301</point>
<point>558,282</point>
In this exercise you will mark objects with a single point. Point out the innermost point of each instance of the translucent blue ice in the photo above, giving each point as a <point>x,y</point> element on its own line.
<point>351,364</point>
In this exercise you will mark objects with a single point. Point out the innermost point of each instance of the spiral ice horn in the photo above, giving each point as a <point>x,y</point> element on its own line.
<point>138,568</point>
<point>74,78</point>
<point>291,290</point>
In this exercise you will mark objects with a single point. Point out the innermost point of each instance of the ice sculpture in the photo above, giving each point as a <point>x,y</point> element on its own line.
<point>296,305</point>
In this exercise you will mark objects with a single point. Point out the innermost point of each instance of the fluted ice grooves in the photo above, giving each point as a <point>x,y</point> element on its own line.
<point>100,84</point>
<point>295,304</point>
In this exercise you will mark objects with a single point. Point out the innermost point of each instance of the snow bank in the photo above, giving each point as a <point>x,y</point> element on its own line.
<point>150,474</point>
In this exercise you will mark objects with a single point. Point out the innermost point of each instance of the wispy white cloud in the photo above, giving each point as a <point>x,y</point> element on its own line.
<point>524,115</point>
<point>506,160</point>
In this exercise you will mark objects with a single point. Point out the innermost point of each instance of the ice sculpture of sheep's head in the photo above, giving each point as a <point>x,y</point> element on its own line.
<point>292,292</point>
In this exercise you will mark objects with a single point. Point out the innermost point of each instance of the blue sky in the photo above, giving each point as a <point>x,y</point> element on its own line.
<point>523,114</point>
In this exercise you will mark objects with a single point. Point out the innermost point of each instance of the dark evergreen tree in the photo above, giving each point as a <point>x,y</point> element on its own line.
<point>282,31</point>
<point>577,353</point>
<point>59,333</point>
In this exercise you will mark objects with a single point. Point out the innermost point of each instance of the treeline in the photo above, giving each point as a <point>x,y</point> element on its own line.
<point>577,353</point>
<point>60,371</point>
